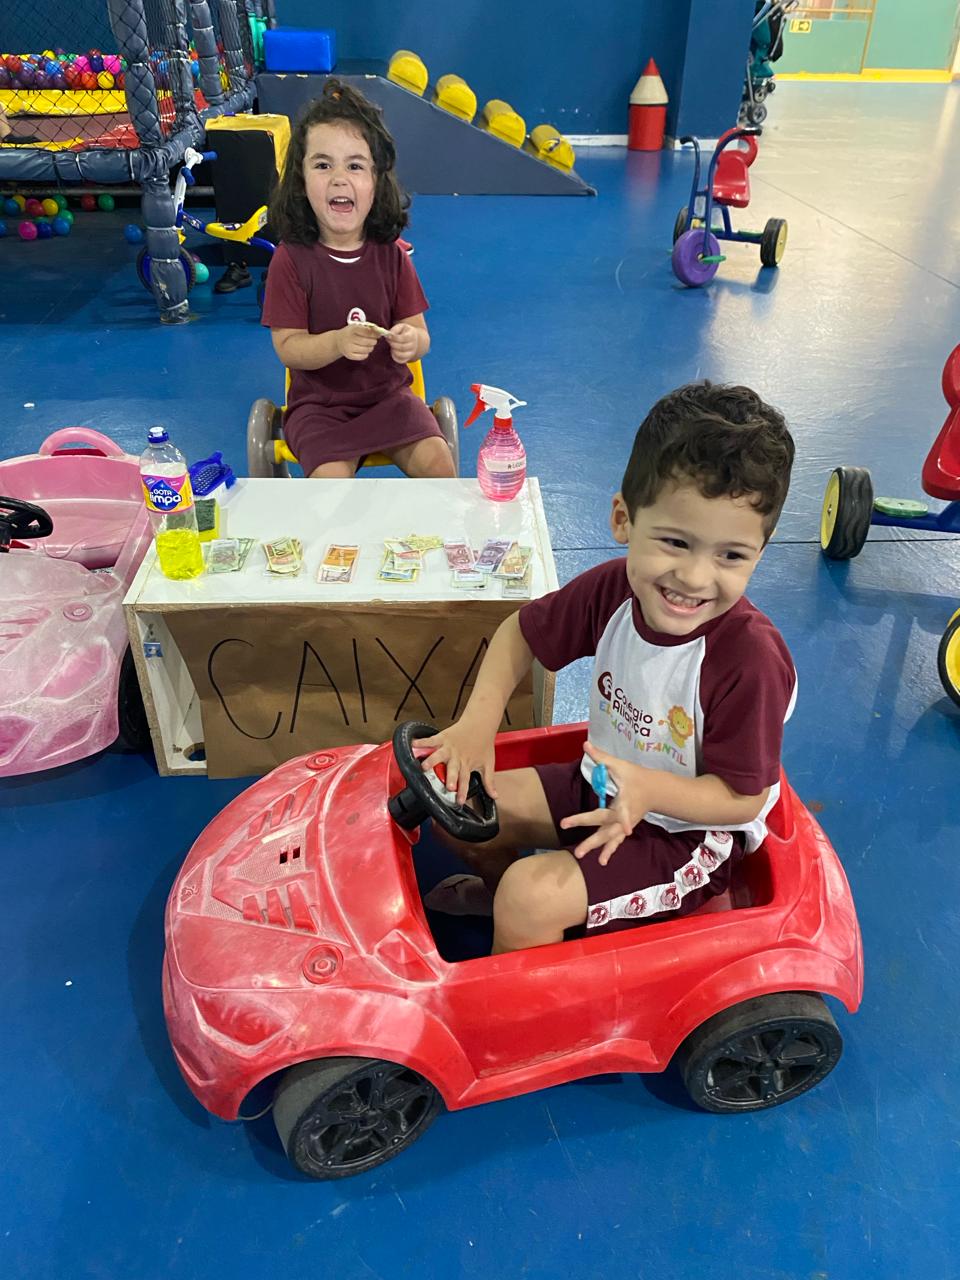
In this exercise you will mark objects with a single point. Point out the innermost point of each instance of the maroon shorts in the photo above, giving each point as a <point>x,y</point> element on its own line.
<point>654,874</point>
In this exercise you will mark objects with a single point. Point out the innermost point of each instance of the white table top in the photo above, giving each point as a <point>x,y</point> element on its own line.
<point>361,511</point>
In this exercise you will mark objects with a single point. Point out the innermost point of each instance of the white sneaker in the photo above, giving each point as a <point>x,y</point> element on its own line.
<point>460,895</point>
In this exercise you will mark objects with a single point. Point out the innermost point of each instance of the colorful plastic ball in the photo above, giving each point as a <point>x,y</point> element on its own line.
<point>111,63</point>
<point>20,202</point>
<point>133,234</point>
<point>41,80</point>
<point>88,203</point>
<point>57,80</point>
<point>11,207</point>
<point>61,202</point>
<point>67,217</point>
<point>81,63</point>
<point>50,207</point>
<point>119,80</point>
<point>48,53</point>
<point>5,78</point>
<point>195,68</point>
<point>96,62</point>
<point>105,80</point>
<point>27,75</point>
<point>33,209</point>
<point>3,228</point>
<point>44,231</point>
<point>72,77</point>
<point>27,231</point>
<point>202,272</point>
<point>13,63</point>
<point>88,80</point>
<point>61,227</point>
<point>106,203</point>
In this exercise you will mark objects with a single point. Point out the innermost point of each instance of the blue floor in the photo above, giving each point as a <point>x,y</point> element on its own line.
<point>111,1169</point>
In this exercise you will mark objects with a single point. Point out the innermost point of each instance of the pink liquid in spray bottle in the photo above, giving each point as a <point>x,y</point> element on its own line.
<point>502,461</point>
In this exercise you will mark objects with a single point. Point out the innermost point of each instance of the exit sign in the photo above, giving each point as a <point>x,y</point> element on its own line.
<point>801,26</point>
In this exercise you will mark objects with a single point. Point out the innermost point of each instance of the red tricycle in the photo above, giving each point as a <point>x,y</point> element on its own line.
<point>298,952</point>
<point>696,251</point>
<point>850,508</point>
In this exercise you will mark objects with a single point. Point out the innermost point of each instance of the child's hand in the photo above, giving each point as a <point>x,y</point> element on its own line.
<point>461,750</point>
<point>356,341</point>
<point>404,343</point>
<point>616,822</point>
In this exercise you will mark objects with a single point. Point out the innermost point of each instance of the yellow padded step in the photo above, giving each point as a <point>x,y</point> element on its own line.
<point>500,119</point>
<point>408,70</point>
<point>453,94</point>
<point>549,144</point>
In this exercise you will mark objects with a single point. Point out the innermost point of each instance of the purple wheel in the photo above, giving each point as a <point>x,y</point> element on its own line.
<point>688,266</point>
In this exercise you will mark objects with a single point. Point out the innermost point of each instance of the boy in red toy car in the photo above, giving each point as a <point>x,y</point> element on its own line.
<point>691,688</point>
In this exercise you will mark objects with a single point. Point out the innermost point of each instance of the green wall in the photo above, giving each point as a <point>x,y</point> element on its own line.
<point>829,47</point>
<point>912,34</point>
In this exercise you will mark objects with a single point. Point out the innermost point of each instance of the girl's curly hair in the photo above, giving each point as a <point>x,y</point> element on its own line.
<point>290,213</point>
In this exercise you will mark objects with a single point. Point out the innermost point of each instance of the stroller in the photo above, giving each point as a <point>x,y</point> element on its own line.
<point>766,46</point>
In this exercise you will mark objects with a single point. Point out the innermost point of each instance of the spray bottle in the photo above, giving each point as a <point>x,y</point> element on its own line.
<point>502,461</point>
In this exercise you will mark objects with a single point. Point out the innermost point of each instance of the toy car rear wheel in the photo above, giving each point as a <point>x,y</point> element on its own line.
<point>845,517</point>
<point>760,1053</point>
<point>341,1116</point>
<point>774,242</point>
<point>445,412</point>
<point>948,658</point>
<point>133,728</point>
<point>680,224</point>
<point>688,254</point>
<point>264,426</point>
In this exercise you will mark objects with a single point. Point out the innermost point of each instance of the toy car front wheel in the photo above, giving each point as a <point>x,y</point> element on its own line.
<point>845,517</point>
<point>688,254</point>
<point>948,658</point>
<point>186,262</point>
<point>680,225</point>
<point>133,728</point>
<point>774,242</point>
<point>341,1116</point>
<point>761,1052</point>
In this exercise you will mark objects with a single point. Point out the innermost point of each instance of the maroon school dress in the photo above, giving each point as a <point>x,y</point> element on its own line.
<point>350,407</point>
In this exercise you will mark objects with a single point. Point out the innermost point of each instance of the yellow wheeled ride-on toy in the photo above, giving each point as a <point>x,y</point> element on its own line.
<point>850,508</point>
<point>269,455</point>
<point>238,232</point>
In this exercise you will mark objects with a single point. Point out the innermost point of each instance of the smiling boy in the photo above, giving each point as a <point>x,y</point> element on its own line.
<point>680,657</point>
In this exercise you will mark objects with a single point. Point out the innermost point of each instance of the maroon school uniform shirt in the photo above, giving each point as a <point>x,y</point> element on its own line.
<point>316,288</point>
<point>713,701</point>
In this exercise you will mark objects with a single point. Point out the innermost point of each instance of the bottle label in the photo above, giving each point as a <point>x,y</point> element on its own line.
<point>503,465</point>
<point>164,494</point>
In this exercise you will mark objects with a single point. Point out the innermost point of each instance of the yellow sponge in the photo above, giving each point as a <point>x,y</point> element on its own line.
<point>549,144</point>
<point>408,70</point>
<point>500,119</point>
<point>453,94</point>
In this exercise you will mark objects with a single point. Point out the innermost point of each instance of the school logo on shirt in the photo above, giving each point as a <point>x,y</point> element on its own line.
<point>639,726</point>
<point>356,315</point>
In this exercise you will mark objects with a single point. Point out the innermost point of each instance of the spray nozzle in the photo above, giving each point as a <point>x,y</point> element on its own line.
<point>495,398</point>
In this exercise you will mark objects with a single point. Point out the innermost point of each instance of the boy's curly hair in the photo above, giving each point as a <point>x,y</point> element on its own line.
<point>290,213</point>
<point>726,440</point>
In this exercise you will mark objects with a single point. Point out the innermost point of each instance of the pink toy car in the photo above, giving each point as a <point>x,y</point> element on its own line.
<point>297,943</point>
<point>73,531</point>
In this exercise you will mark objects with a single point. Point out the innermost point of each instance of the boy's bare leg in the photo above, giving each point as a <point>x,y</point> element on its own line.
<point>537,899</point>
<point>525,823</point>
<point>427,459</point>
<point>343,469</point>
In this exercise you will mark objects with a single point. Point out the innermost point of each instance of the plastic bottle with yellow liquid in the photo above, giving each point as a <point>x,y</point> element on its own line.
<point>169,499</point>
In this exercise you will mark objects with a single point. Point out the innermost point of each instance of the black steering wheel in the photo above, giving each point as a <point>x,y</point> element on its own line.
<point>421,797</point>
<point>22,520</point>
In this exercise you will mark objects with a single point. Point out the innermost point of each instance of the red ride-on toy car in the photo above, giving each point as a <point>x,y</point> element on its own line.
<point>850,508</point>
<point>297,948</point>
<point>696,251</point>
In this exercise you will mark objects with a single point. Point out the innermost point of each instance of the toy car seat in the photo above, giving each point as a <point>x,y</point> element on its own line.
<point>941,470</point>
<point>268,454</point>
<point>731,181</point>
<point>91,493</point>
